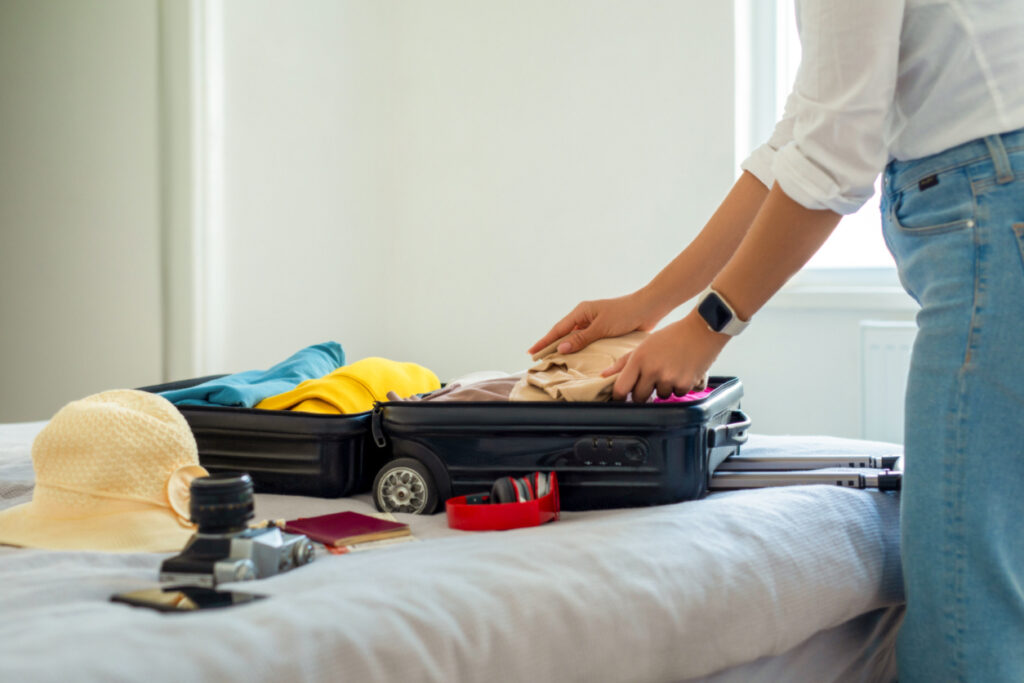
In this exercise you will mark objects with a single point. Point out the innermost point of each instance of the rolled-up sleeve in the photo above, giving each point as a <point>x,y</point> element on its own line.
<point>761,161</point>
<point>829,146</point>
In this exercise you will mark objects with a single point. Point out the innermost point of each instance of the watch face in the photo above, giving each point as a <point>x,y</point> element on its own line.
<point>715,312</point>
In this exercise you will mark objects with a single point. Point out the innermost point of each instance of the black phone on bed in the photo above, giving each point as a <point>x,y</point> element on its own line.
<point>184,598</point>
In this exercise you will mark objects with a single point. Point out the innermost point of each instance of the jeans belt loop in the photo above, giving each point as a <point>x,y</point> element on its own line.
<point>1004,172</point>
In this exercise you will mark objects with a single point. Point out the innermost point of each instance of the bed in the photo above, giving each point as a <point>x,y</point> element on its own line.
<point>797,583</point>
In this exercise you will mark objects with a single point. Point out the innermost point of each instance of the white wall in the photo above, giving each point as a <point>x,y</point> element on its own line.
<point>308,163</point>
<point>441,181</point>
<point>80,298</point>
<point>436,182</point>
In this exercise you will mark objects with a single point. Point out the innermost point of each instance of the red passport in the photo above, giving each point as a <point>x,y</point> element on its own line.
<point>346,528</point>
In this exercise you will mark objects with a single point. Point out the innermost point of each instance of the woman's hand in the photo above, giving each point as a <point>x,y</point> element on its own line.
<point>593,320</point>
<point>673,360</point>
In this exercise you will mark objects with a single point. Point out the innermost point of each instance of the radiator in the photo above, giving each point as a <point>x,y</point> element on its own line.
<point>885,361</point>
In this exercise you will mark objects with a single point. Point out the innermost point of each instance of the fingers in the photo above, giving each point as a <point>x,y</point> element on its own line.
<point>616,366</point>
<point>642,377</point>
<point>577,318</point>
<point>643,389</point>
<point>578,339</point>
<point>666,389</point>
<point>628,377</point>
<point>643,386</point>
<point>551,336</point>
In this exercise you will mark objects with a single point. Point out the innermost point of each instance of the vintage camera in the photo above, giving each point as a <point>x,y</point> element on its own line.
<point>224,549</point>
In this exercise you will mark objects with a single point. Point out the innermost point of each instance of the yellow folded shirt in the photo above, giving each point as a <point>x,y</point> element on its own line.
<point>353,388</point>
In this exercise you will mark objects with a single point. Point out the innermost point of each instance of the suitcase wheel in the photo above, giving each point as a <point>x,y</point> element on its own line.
<point>405,485</point>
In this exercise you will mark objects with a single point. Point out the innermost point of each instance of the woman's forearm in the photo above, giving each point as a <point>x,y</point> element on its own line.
<point>783,237</point>
<point>694,268</point>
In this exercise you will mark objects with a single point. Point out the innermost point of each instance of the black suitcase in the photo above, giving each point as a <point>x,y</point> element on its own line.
<point>417,454</point>
<point>304,454</point>
<point>606,454</point>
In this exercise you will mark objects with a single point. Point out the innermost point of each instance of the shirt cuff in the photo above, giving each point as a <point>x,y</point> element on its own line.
<point>807,184</point>
<point>759,164</point>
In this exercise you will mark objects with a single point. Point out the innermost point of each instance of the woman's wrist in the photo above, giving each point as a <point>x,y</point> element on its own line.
<point>653,303</point>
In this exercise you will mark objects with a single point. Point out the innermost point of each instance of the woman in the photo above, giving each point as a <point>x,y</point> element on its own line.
<point>931,92</point>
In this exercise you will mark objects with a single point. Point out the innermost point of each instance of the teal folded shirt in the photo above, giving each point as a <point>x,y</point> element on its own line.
<point>246,389</point>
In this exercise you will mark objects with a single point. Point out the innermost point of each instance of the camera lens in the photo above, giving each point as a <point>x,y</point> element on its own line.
<point>221,503</point>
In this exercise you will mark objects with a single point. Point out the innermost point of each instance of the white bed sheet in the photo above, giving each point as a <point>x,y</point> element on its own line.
<point>796,583</point>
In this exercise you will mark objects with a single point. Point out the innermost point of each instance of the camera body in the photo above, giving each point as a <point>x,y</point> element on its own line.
<point>224,549</point>
<point>209,559</point>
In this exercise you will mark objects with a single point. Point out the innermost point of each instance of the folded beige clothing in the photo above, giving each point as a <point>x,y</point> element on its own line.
<point>575,376</point>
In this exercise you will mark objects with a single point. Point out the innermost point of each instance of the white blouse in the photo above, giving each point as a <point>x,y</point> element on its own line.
<point>890,79</point>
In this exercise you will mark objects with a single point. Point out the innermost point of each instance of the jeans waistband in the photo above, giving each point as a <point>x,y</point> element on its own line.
<point>997,148</point>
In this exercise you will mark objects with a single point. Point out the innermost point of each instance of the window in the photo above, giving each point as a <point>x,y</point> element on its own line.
<point>767,57</point>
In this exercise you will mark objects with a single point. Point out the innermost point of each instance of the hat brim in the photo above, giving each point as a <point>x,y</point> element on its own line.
<point>142,529</point>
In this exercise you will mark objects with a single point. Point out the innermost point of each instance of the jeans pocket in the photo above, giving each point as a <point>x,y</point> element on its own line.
<point>935,204</point>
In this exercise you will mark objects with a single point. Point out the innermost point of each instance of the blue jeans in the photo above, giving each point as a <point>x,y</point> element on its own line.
<point>954,222</point>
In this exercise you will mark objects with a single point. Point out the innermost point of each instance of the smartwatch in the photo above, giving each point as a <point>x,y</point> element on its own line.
<point>718,314</point>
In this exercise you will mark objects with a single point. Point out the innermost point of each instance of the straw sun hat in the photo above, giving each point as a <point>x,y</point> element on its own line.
<point>112,473</point>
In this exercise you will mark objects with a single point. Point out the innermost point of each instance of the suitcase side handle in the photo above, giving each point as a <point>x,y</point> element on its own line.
<point>376,428</point>
<point>732,433</point>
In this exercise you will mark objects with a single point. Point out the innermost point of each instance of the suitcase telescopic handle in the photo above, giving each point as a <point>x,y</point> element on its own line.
<point>732,433</point>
